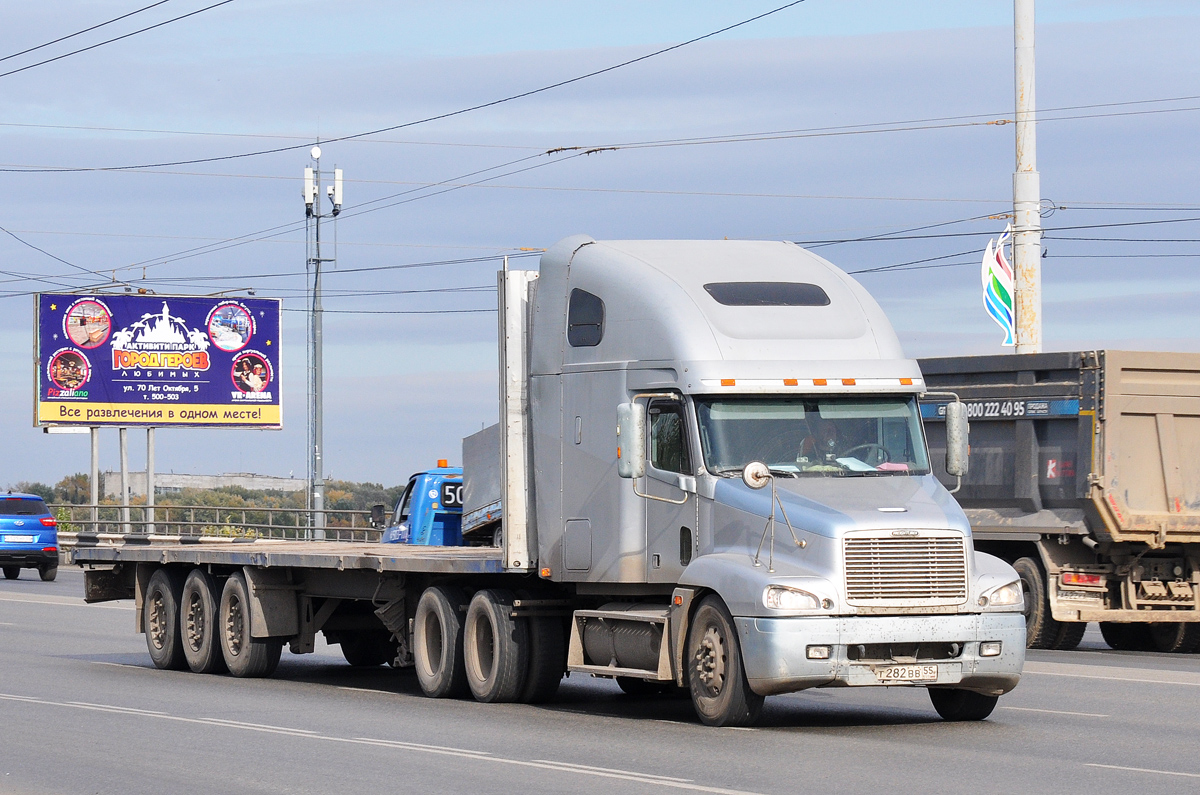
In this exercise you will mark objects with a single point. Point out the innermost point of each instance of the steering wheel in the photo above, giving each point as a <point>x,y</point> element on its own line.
<point>875,454</point>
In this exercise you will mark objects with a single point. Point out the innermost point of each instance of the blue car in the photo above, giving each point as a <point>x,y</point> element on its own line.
<point>429,512</point>
<point>28,536</point>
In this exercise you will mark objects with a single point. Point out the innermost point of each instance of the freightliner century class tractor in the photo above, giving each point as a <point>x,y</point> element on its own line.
<point>710,473</point>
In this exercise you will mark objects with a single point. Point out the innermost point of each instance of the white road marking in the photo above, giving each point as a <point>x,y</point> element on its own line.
<point>61,601</point>
<point>117,665</point>
<point>1145,676</point>
<point>1058,712</point>
<point>1143,770</point>
<point>462,753</point>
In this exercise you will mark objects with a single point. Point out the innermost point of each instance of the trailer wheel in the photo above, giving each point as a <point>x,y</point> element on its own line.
<point>198,623</point>
<point>1041,630</point>
<point>246,656</point>
<point>12,572</point>
<point>547,659</point>
<point>496,648</point>
<point>368,649</point>
<point>48,573</point>
<point>160,620</point>
<point>1127,637</point>
<point>720,692</point>
<point>438,642</point>
<point>1175,637</point>
<point>961,705</point>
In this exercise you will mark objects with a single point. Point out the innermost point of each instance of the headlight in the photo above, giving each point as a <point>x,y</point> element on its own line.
<point>777,597</point>
<point>1008,595</point>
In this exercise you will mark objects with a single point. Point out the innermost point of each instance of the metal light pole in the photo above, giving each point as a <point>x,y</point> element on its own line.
<point>312,209</point>
<point>150,481</point>
<point>1027,195</point>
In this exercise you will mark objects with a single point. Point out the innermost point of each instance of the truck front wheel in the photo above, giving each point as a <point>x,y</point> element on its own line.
<point>246,656</point>
<point>720,692</point>
<point>438,642</point>
<point>961,705</point>
<point>160,619</point>
<point>198,622</point>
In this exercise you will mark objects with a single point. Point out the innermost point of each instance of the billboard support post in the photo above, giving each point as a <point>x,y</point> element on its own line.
<point>150,481</point>
<point>123,434</point>
<point>94,478</point>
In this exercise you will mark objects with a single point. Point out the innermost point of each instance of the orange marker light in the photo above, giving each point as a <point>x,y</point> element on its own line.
<point>678,601</point>
<point>906,382</point>
<point>443,463</point>
<point>790,382</point>
<point>545,572</point>
<point>819,382</point>
<point>728,382</point>
<point>847,382</point>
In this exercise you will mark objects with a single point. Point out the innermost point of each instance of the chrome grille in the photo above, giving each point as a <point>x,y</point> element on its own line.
<point>888,570</point>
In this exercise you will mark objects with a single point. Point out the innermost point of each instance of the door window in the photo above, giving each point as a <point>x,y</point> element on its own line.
<point>668,438</point>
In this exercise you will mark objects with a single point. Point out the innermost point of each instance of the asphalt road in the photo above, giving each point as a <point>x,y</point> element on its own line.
<point>82,710</point>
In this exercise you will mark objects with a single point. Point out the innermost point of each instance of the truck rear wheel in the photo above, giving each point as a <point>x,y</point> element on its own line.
<point>1175,637</point>
<point>246,656</point>
<point>961,705</point>
<point>198,623</point>
<point>496,648</point>
<point>720,692</point>
<point>1127,637</point>
<point>1070,633</point>
<point>547,659</point>
<point>160,620</point>
<point>438,642</point>
<point>1041,630</point>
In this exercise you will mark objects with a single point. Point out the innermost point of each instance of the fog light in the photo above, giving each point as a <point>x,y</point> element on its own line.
<point>820,652</point>
<point>989,648</point>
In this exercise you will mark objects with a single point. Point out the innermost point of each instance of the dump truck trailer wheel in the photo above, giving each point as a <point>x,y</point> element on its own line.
<point>1127,637</point>
<point>438,642</point>
<point>1175,637</point>
<point>495,647</point>
<point>160,619</point>
<point>245,655</point>
<point>1041,630</point>
<point>720,692</point>
<point>198,623</point>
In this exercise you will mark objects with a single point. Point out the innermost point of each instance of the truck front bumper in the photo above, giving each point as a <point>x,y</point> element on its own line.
<point>775,651</point>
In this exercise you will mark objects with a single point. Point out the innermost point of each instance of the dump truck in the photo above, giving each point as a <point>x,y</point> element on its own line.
<point>710,475</point>
<point>1085,476</point>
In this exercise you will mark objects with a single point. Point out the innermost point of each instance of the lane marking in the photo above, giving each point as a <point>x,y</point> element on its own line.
<point>1153,676</point>
<point>1119,679</point>
<point>117,665</point>
<point>62,601</point>
<point>462,753</point>
<point>1058,712</point>
<point>1143,770</point>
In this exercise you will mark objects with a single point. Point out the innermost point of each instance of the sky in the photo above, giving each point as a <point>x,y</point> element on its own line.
<point>819,90</point>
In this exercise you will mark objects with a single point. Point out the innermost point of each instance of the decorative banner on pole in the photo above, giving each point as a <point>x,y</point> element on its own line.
<point>157,361</point>
<point>997,278</point>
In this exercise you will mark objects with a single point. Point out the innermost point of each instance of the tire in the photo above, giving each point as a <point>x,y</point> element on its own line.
<point>1127,637</point>
<point>368,649</point>
<point>1070,633</point>
<point>716,677</point>
<point>160,619</point>
<point>641,688</point>
<point>1175,637</point>
<point>547,659</point>
<point>961,705</point>
<point>495,648</point>
<point>1041,630</point>
<point>245,656</point>
<point>438,642</point>
<point>48,573</point>
<point>198,623</point>
<point>12,572</point>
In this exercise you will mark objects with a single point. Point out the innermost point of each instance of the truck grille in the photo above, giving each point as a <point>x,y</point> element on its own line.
<point>892,570</point>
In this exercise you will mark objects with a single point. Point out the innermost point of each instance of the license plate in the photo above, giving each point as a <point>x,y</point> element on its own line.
<point>19,539</point>
<point>906,673</point>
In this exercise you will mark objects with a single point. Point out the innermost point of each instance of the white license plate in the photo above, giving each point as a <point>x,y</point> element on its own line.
<point>906,673</point>
<point>19,539</point>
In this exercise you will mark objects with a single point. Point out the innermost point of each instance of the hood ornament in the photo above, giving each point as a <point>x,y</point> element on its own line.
<point>905,533</point>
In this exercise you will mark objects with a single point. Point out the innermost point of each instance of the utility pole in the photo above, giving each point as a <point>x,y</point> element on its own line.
<point>1027,194</point>
<point>312,211</point>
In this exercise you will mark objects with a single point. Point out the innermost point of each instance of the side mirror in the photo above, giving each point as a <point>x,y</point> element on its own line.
<point>957,429</point>
<point>631,440</point>
<point>377,516</point>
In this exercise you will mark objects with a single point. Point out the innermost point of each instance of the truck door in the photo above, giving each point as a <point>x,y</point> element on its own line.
<point>670,526</point>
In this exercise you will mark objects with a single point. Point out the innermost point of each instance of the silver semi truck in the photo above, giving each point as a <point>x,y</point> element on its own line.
<point>1085,475</point>
<point>710,473</point>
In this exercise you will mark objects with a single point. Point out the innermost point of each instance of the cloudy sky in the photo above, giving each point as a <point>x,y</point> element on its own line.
<point>856,118</point>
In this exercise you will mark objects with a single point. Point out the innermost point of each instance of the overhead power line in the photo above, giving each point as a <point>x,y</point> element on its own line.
<point>116,38</point>
<point>85,30</point>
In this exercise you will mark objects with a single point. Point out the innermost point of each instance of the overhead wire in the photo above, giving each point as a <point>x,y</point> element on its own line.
<point>28,50</point>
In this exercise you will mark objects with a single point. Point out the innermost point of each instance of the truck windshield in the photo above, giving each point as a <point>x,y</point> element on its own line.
<point>814,437</point>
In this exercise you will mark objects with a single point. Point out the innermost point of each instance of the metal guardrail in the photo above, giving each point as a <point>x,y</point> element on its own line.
<point>167,522</point>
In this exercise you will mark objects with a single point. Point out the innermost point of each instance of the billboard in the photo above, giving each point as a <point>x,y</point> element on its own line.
<point>157,360</point>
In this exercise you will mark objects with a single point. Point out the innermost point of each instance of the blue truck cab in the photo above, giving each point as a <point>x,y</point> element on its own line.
<point>429,512</point>
<point>28,536</point>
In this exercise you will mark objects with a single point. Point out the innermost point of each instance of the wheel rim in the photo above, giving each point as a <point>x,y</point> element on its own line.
<point>158,620</point>
<point>234,625</point>
<point>711,659</point>
<point>433,644</point>
<point>194,622</point>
